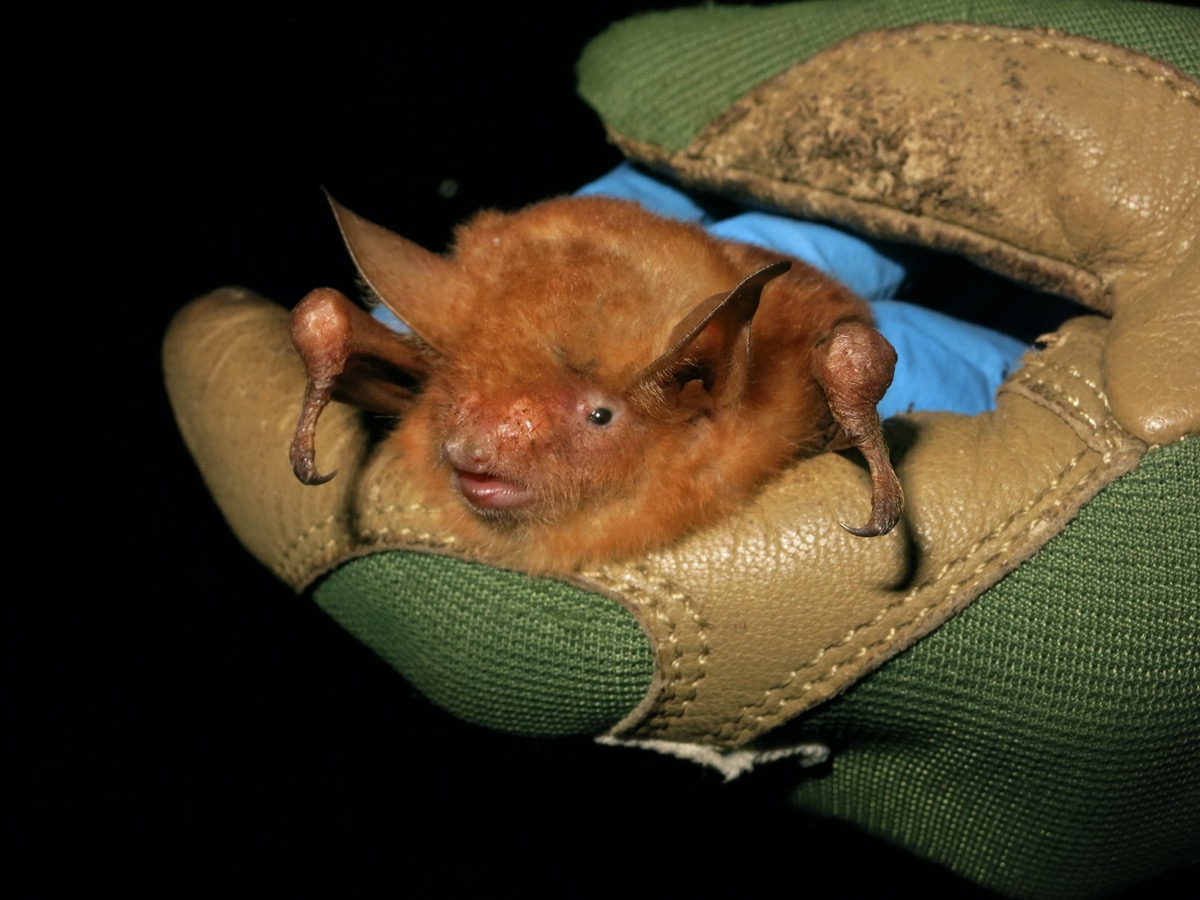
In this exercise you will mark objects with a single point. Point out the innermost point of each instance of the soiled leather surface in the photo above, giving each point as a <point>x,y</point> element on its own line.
<point>1068,163</point>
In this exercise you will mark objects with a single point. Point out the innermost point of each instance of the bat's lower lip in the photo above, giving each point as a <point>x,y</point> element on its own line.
<point>488,492</point>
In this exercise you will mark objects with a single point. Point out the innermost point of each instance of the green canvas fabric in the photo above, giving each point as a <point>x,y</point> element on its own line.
<point>517,654</point>
<point>659,78</point>
<point>1046,742</point>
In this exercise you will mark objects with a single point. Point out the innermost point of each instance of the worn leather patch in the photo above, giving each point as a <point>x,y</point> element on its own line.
<point>1063,162</point>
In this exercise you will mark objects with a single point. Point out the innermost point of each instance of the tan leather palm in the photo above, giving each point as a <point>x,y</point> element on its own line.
<point>1068,163</point>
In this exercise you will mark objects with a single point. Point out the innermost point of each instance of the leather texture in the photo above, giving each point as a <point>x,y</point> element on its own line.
<point>1063,162</point>
<point>1067,163</point>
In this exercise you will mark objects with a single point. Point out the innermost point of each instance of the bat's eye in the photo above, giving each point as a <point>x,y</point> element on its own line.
<point>600,416</point>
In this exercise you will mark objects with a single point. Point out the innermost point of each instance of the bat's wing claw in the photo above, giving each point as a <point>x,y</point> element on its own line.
<point>315,479</point>
<point>307,473</point>
<point>880,523</point>
<point>303,456</point>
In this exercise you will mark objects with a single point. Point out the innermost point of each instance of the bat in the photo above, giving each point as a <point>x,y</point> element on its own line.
<point>585,381</point>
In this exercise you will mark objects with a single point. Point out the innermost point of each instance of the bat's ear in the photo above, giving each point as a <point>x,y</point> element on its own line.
<point>410,280</point>
<point>855,365</point>
<point>352,358</point>
<point>708,353</point>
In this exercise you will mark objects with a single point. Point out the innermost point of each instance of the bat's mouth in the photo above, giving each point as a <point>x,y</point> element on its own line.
<point>490,493</point>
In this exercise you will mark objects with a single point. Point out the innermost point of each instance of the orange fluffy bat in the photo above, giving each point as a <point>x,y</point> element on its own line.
<point>588,381</point>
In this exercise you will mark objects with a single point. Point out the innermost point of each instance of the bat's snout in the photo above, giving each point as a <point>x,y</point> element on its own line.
<point>472,457</point>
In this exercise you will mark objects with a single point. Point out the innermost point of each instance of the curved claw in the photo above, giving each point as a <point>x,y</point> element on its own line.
<point>887,502</point>
<point>309,476</point>
<point>304,464</point>
<point>303,450</point>
<point>315,479</point>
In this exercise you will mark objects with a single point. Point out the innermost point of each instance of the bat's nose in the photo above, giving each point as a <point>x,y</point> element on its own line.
<point>469,453</point>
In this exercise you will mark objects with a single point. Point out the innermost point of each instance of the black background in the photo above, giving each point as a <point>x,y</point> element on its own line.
<point>190,723</point>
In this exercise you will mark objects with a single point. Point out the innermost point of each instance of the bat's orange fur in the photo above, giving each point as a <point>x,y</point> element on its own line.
<point>538,319</point>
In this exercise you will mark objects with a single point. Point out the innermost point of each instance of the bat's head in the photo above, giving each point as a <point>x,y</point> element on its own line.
<point>599,343</point>
<point>535,449</point>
